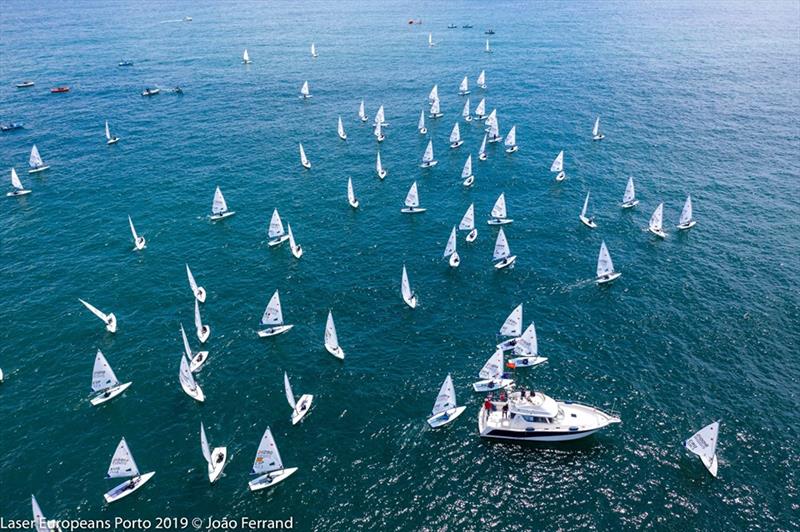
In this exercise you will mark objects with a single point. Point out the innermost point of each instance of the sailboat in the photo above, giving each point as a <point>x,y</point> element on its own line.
<point>273,318</point>
<point>455,136</point>
<point>465,112</point>
<point>104,382</point>
<point>421,124</point>
<point>297,250</point>
<point>275,232</point>
<point>466,172</point>
<point>427,157</point>
<point>41,524</point>
<point>139,242</point>
<point>450,250</point>
<point>430,40</point>
<point>511,140</point>
<point>219,209</point>
<point>380,116</point>
<point>351,196</point>
<point>468,224</point>
<point>198,291</point>
<point>110,139</point>
<point>378,132</point>
<point>463,88</point>
<point>629,199</point>
<point>596,135</point>
<point>268,464</point>
<point>493,127</point>
<point>313,50</point>
<point>197,360</point>
<point>588,222</point>
<point>303,159</point>
<point>299,408</point>
<point>491,375</point>
<point>480,110</point>
<point>499,214</point>
<point>482,151</point>
<point>704,444</point>
<point>123,466</point>
<point>412,201</point>
<point>487,49</point>
<point>35,161</point>
<point>340,130</point>
<point>605,268</point>
<point>109,319</point>
<point>686,221</point>
<point>656,222</point>
<point>19,190</point>
<point>305,94</point>
<point>203,331</point>
<point>526,350</point>
<point>511,328</point>
<point>409,296</point>
<point>246,57</point>
<point>215,459</point>
<point>445,409</point>
<point>436,111</point>
<point>558,166</point>
<point>434,94</point>
<point>379,167</point>
<point>332,339</point>
<point>502,253</point>
<point>362,114</point>
<point>188,383</point>
<point>482,79</point>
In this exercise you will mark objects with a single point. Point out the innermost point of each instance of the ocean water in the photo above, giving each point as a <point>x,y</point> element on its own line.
<point>695,97</point>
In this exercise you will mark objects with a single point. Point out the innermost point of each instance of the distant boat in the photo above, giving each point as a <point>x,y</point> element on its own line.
<point>466,173</point>
<point>11,126</point>
<point>273,318</point>
<point>25,84</point>
<point>467,26</point>
<point>511,140</point>
<point>35,161</point>
<point>104,382</point>
<point>412,201</point>
<point>481,82</point>
<point>596,135</point>
<point>268,464</point>
<point>187,19</point>
<point>246,57</point>
<point>455,136</point>
<point>361,113</point>
<point>482,151</point>
<point>378,132</point>
<point>512,329</point>
<point>189,385</point>
<point>491,375</point>
<point>434,94</point>
<point>502,253</point>
<point>332,339</point>
<point>686,221</point>
<point>109,319</point>
<point>465,112</point>
<point>139,243</point>
<point>215,459</point>
<point>427,158</point>
<point>451,26</point>
<point>304,92</point>
<point>463,88</point>
<point>379,167</point>
<point>198,291</point>
<point>629,199</point>
<point>299,408</point>
<point>59,90</point>
<point>445,409</point>
<point>430,40</point>
<point>605,268</point>
<point>203,331</point>
<point>450,250</point>
<point>313,50</point>
<point>499,213</point>
<point>125,63</point>
<point>351,195</point>
<point>19,190</point>
<point>340,130</point>
<point>409,296</point>
<point>380,117</point>
<point>468,224</point>
<point>526,350</point>
<point>275,232</point>
<point>303,159</point>
<point>558,166</point>
<point>489,32</point>
<point>110,139</point>
<point>196,360</point>
<point>657,222</point>
<point>151,92</point>
<point>219,208</point>
<point>436,111</point>
<point>39,520</point>
<point>588,222</point>
<point>123,466</point>
<point>493,127</point>
<point>421,124</point>
<point>297,250</point>
<point>487,49</point>
<point>704,444</point>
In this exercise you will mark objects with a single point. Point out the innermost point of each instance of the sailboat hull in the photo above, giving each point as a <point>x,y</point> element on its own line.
<point>38,169</point>
<point>303,406</point>
<point>197,361</point>
<point>274,331</point>
<point>686,226</point>
<point>499,221</point>
<point>196,394</point>
<point>489,385</point>
<point>588,222</point>
<point>456,144</point>
<point>472,235</point>
<point>353,204</point>
<point>482,156</point>
<point>512,149</point>
<point>603,279</point>
<point>278,241</point>
<point>443,418</point>
<point>216,467</point>
<point>297,251</point>
<point>468,182</point>
<point>124,489</point>
<point>335,351</point>
<point>140,244</point>
<point>200,295</point>
<point>494,139</point>
<point>307,166</point>
<point>598,137</point>
<point>18,193</point>
<point>112,325</point>
<point>203,333</point>
<point>222,216</point>
<point>561,176</point>
<point>506,262</point>
<point>109,394</point>
<point>429,164</point>
<point>411,302</point>
<point>630,204</point>
<point>658,232</point>
<point>343,136</point>
<point>526,362</point>
<point>112,140</point>
<point>423,131</point>
<point>270,479</point>
<point>412,210</point>
<point>455,260</point>
<point>382,174</point>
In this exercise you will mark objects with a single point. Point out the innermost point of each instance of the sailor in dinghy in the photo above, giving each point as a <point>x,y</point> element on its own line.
<point>303,159</point>
<point>558,166</point>
<point>412,201</point>
<point>445,409</point>
<point>302,406</point>
<point>686,221</point>
<point>104,382</point>
<point>35,162</point>
<point>427,158</point>
<point>492,376</point>
<point>512,329</point>
<point>198,291</point>
<point>379,167</point>
<point>203,331</point>
<point>139,243</point>
<point>629,199</point>
<point>215,459</point>
<point>450,250</point>
<point>502,253</point>
<point>109,319</point>
<point>305,94</point>
<point>704,444</point>
<point>273,318</point>
<point>378,132</point>
<point>499,213</point>
<point>219,208</point>
<point>19,190</point>
<point>465,112</point>
<point>482,156</point>
<point>123,466</point>
<point>526,350</point>
<point>421,124</point>
<point>511,140</point>
<point>188,383</point>
<point>275,232</point>
<point>351,195</point>
<point>455,137</point>
<point>297,250</point>
<point>463,88</point>
<point>468,224</point>
<point>605,268</point>
<point>110,139</point>
<point>481,82</point>
<point>246,57</point>
<point>362,115</point>
<point>466,173</point>
<point>656,225</point>
<point>340,130</point>
<point>596,135</point>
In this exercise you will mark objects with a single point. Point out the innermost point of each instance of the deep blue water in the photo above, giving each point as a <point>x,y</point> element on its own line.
<point>695,97</point>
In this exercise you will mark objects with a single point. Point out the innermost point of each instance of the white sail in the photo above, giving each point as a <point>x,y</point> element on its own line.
<point>465,110</point>
<point>405,286</point>
<point>493,369</point>
<point>204,444</point>
<point>103,376</point>
<point>292,243</point>
<point>246,56</point>
<point>412,198</point>
<point>192,282</point>
<point>122,463</point>
<point>501,249</point>
<point>513,324</point>
<point>491,121</point>
<point>378,131</point>
<point>276,225</point>
<point>313,50</point>
<point>482,78</point>
<point>499,209</point>
<point>267,457</point>
<point>133,230</point>
<point>464,87</point>
<point>198,322</point>
<point>446,398</point>
<point>185,375</point>
<point>434,94</point>
<point>340,128</point>
<point>219,206</point>
<point>94,310</point>
<point>630,192</point>
<point>604,264</point>
<point>511,137</point>
<point>430,39</point>
<point>657,219</point>
<point>288,389</point>
<point>482,150</point>
<point>378,165</point>
<point>480,110</point>
<point>39,520</point>
<point>186,349</point>
<point>435,109</point>
<point>585,205</point>
<point>303,158</point>
<point>596,128</point>
<point>304,89</point>
<point>686,213</point>
<point>35,160</point>
<point>468,221</point>
<point>704,444</point>
<point>428,155</point>
<point>467,170</point>
<point>331,338</point>
<point>273,315</point>
<point>455,134</point>
<point>487,46</point>
<point>558,163</point>
<point>15,182</point>
<point>450,248</point>
<point>108,132</point>
<point>351,195</point>
<point>421,123</point>
<point>361,112</point>
<point>380,115</point>
<point>527,345</point>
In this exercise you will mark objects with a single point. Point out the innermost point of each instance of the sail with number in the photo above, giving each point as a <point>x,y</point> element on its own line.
<point>15,182</point>
<point>446,398</point>
<point>527,345</point>
<point>493,369</point>
<point>428,155</point>
<point>630,192</point>
<point>122,463</point>
<point>35,160</point>
<point>276,225</point>
<point>468,221</point>
<point>511,137</point>
<point>513,324</point>
<point>686,213</point>
<point>467,170</point>
<point>604,264</point>
<point>704,444</point>
<point>103,376</point>
<point>499,209</point>
<point>450,248</point>
<point>268,459</point>
<point>273,314</point>
<point>501,249</point>
<point>412,198</point>
<point>558,163</point>
<point>219,206</point>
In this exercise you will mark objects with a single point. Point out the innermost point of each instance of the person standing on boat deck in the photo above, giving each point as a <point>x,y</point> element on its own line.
<point>505,411</point>
<point>487,404</point>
